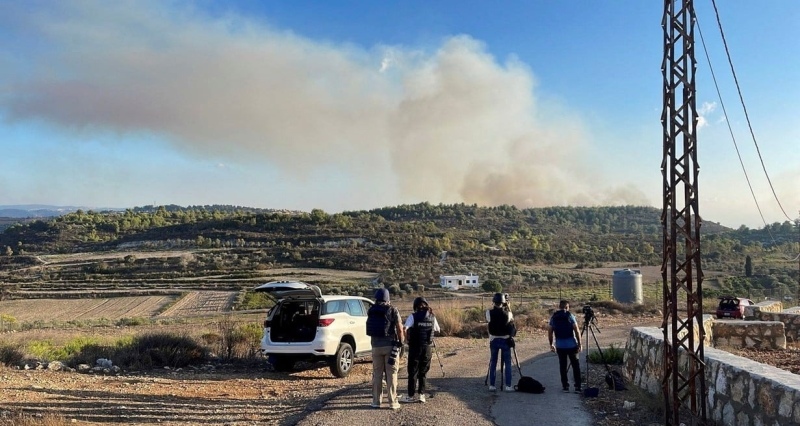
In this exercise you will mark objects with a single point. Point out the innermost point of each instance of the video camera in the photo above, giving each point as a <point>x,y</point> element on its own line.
<point>588,313</point>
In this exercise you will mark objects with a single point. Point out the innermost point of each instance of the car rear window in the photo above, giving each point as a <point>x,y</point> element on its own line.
<point>352,307</point>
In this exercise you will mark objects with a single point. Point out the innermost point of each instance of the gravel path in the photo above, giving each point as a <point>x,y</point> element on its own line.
<point>461,398</point>
<point>231,395</point>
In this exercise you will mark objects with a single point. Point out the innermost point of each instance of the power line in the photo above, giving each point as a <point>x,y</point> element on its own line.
<point>727,121</point>
<point>744,108</point>
<point>730,130</point>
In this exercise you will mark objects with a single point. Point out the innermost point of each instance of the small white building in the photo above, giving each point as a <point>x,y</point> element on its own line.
<point>456,282</point>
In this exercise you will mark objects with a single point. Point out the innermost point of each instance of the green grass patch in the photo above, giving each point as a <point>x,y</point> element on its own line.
<point>48,351</point>
<point>253,300</point>
<point>612,355</point>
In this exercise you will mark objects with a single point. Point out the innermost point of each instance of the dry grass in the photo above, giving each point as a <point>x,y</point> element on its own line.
<point>460,318</point>
<point>22,419</point>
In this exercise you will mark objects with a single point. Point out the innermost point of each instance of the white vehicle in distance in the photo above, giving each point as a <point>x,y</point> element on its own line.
<point>304,325</point>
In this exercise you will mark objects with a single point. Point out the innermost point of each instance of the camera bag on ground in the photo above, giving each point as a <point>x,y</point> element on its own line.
<point>525,383</point>
<point>529,385</point>
<point>615,381</point>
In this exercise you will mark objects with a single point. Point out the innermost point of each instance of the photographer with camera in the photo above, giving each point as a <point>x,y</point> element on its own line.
<point>420,327</point>
<point>385,327</point>
<point>567,343</point>
<point>501,334</point>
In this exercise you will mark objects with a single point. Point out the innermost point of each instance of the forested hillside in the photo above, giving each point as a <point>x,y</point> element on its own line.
<point>407,244</point>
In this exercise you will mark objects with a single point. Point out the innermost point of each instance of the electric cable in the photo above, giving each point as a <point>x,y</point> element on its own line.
<point>730,130</point>
<point>744,108</point>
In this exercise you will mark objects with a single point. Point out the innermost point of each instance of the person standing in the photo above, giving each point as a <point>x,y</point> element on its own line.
<point>385,328</point>
<point>501,329</point>
<point>567,344</point>
<point>420,327</point>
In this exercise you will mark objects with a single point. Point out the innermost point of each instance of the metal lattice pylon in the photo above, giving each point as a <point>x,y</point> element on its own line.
<point>683,383</point>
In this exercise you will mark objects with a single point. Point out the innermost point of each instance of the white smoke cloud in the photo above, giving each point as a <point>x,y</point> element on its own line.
<point>448,126</point>
<point>703,112</point>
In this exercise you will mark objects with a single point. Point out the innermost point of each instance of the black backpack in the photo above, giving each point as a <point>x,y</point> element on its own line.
<point>529,385</point>
<point>380,320</point>
<point>615,381</point>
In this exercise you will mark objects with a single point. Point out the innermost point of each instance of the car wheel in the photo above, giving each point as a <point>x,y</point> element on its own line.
<point>283,364</point>
<point>342,362</point>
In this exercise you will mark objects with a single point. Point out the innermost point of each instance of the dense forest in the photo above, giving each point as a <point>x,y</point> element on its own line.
<point>405,245</point>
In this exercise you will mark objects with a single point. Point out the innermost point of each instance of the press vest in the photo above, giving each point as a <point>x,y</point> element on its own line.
<point>499,322</point>
<point>380,320</point>
<point>422,330</point>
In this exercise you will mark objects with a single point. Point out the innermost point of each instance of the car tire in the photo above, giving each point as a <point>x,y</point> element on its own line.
<point>342,362</point>
<point>283,364</point>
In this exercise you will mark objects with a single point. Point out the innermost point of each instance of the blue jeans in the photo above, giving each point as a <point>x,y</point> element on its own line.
<point>500,345</point>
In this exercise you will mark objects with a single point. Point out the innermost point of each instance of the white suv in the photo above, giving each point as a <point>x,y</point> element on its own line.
<point>304,325</point>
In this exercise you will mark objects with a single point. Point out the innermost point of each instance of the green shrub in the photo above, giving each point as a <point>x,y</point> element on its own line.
<point>41,349</point>
<point>7,322</point>
<point>611,355</point>
<point>89,354</point>
<point>10,355</point>
<point>131,322</point>
<point>160,350</point>
<point>46,350</point>
<point>247,338</point>
<point>474,314</point>
<point>252,300</point>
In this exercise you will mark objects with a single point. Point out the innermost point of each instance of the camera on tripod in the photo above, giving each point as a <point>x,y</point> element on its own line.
<point>588,313</point>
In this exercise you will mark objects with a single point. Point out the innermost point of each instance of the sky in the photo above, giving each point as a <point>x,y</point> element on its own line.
<point>351,105</point>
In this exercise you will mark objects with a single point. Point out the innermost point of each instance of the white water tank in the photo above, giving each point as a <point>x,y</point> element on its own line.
<point>627,286</point>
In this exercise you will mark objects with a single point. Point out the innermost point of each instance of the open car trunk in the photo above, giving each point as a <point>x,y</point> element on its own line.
<point>295,321</point>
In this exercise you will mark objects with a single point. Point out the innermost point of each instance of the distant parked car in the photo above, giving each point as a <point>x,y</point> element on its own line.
<point>304,325</point>
<point>732,307</point>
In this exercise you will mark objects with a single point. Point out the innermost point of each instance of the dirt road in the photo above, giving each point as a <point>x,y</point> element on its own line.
<point>227,395</point>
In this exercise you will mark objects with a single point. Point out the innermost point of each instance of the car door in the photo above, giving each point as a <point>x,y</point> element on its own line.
<point>358,318</point>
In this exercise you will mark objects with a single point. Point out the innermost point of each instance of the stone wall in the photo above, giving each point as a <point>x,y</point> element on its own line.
<point>765,306</point>
<point>790,321</point>
<point>761,334</point>
<point>740,391</point>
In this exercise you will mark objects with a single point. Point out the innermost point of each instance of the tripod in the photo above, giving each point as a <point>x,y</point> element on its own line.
<point>589,327</point>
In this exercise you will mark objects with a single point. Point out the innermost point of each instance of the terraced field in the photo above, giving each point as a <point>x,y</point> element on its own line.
<point>197,303</point>
<point>29,310</point>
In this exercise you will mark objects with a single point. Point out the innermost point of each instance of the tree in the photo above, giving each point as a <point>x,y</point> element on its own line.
<point>748,266</point>
<point>491,286</point>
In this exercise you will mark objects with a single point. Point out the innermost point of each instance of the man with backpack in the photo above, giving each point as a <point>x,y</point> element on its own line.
<point>501,333</point>
<point>385,327</point>
<point>567,344</point>
<point>420,327</point>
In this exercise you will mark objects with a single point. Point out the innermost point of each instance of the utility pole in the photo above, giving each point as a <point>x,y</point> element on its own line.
<point>797,222</point>
<point>683,383</point>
